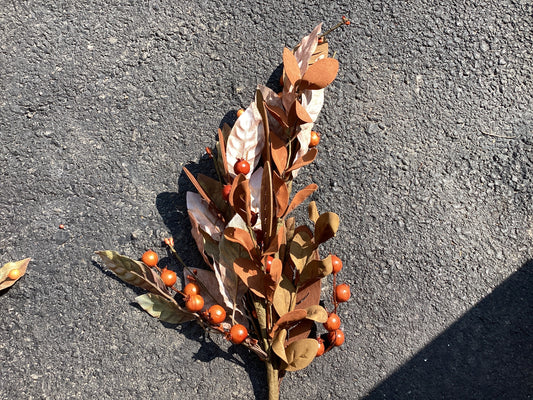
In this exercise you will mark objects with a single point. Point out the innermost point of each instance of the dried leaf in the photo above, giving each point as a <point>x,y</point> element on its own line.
<point>134,272</point>
<point>213,188</point>
<point>261,107</point>
<point>272,100</point>
<point>246,140</point>
<point>320,52</point>
<point>279,153</point>
<point>300,197</point>
<point>300,354</point>
<point>267,203</point>
<point>278,345</point>
<point>160,307</point>
<point>198,187</point>
<point>315,269</point>
<point>276,242</point>
<point>309,294</point>
<point>307,158</point>
<point>21,265</point>
<point>283,296</point>
<point>290,225</point>
<point>240,198</point>
<point>312,101</point>
<point>281,195</point>
<point>300,331</point>
<point>297,114</point>
<point>221,151</point>
<point>287,320</point>
<point>306,49</point>
<point>199,238</point>
<point>320,74</point>
<point>255,191</point>
<point>301,249</point>
<point>313,211</point>
<point>326,227</point>
<point>251,275</point>
<point>290,66</point>
<point>279,116</point>
<point>243,238</point>
<point>209,287</point>
<point>207,220</point>
<point>317,313</point>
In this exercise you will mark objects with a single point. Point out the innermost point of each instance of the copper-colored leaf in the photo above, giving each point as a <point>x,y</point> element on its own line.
<point>134,272</point>
<point>213,188</point>
<point>240,198</point>
<point>315,269</point>
<point>242,237</point>
<point>313,211</point>
<point>307,158</point>
<point>290,66</point>
<point>246,140</point>
<point>290,225</point>
<point>21,265</point>
<point>209,288</point>
<point>326,227</point>
<point>320,74</point>
<point>300,197</point>
<point>277,241</point>
<point>301,249</point>
<point>300,331</point>
<point>251,275</point>
<point>297,114</point>
<point>281,193</point>
<point>283,296</point>
<point>261,107</point>
<point>164,309</point>
<point>321,51</point>
<point>267,203</point>
<point>306,49</point>
<point>287,320</point>
<point>198,187</point>
<point>300,354</point>
<point>279,115</point>
<point>279,153</point>
<point>278,344</point>
<point>309,294</point>
<point>317,313</point>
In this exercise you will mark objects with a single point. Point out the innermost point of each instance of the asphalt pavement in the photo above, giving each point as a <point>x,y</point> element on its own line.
<point>426,155</point>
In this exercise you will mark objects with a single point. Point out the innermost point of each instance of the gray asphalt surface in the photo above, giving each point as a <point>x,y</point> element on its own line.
<point>426,155</point>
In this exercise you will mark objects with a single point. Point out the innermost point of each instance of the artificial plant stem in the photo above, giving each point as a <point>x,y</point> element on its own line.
<point>273,381</point>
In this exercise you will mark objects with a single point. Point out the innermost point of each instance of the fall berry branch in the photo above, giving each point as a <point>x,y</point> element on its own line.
<point>263,287</point>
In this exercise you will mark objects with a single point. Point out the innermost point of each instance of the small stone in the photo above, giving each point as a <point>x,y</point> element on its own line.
<point>61,237</point>
<point>113,40</point>
<point>372,128</point>
<point>484,46</point>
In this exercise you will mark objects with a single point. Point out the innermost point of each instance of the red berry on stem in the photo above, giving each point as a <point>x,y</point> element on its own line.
<point>336,338</point>
<point>333,323</point>
<point>336,262</point>
<point>150,258</point>
<point>321,347</point>
<point>268,264</point>
<point>194,303</point>
<point>216,314</point>
<point>226,190</point>
<point>237,334</point>
<point>342,293</point>
<point>241,167</point>
<point>191,288</point>
<point>168,277</point>
<point>315,139</point>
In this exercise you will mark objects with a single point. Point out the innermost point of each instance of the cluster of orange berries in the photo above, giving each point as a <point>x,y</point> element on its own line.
<point>194,302</point>
<point>341,294</point>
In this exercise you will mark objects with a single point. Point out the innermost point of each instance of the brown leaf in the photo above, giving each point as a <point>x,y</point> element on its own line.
<point>290,225</point>
<point>279,115</point>
<point>301,249</point>
<point>164,309</point>
<point>242,237</point>
<point>326,227</point>
<point>297,114</point>
<point>21,265</point>
<point>209,288</point>
<point>300,197</point>
<point>281,195</point>
<point>320,74</point>
<point>198,237</point>
<point>290,66</point>
<point>317,313</point>
<point>320,52</point>
<point>279,153</point>
<point>201,190</point>
<point>276,242</point>
<point>300,331</point>
<point>313,211</point>
<point>307,158</point>
<point>221,149</point>
<point>261,107</point>
<point>207,220</point>
<point>306,49</point>
<point>287,320</point>
<point>278,344</point>
<point>300,354</point>
<point>283,296</point>
<point>213,188</point>
<point>239,198</point>
<point>315,269</point>
<point>267,203</point>
<point>252,276</point>
<point>134,272</point>
<point>308,295</point>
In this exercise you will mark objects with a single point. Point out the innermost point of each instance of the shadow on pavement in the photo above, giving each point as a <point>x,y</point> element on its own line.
<point>486,354</point>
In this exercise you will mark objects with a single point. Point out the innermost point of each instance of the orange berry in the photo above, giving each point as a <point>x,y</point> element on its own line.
<point>336,262</point>
<point>333,323</point>
<point>216,314</point>
<point>342,293</point>
<point>195,303</point>
<point>14,274</point>
<point>237,334</point>
<point>240,112</point>
<point>315,139</point>
<point>321,347</point>
<point>336,338</point>
<point>168,277</point>
<point>150,258</point>
<point>191,288</point>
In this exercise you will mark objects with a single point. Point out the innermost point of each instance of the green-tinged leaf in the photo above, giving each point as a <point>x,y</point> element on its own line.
<point>283,296</point>
<point>134,272</point>
<point>317,313</point>
<point>300,354</point>
<point>159,307</point>
<point>313,211</point>
<point>278,345</point>
<point>301,248</point>
<point>21,265</point>
<point>261,315</point>
<point>289,319</point>
<point>326,227</point>
<point>315,269</point>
